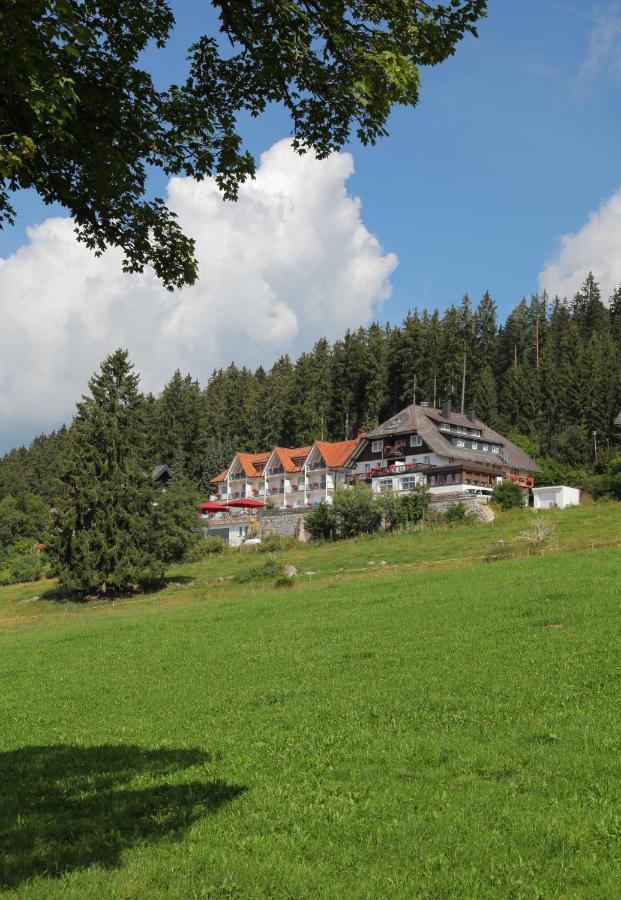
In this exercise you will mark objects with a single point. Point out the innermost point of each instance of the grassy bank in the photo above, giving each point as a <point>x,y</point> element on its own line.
<point>443,732</point>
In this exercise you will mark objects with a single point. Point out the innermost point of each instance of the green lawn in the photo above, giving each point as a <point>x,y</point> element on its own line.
<point>450,732</point>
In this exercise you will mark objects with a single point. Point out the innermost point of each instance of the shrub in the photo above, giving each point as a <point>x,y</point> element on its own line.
<point>414,507</point>
<point>608,482</point>
<point>273,542</point>
<point>390,507</point>
<point>213,546</point>
<point>457,514</point>
<point>206,546</point>
<point>356,511</point>
<point>270,568</point>
<point>508,495</point>
<point>321,522</point>
<point>538,532</point>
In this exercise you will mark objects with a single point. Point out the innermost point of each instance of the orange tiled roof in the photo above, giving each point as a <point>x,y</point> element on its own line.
<point>248,461</point>
<point>288,455</point>
<point>336,454</point>
<point>220,477</point>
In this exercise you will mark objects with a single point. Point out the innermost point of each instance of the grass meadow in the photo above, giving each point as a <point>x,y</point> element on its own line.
<point>441,726</point>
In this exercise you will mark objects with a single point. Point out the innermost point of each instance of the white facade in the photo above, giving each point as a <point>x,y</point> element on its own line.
<point>309,483</point>
<point>557,496</point>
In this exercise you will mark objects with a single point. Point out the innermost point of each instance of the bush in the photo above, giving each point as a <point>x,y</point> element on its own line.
<point>457,514</point>
<point>414,507</point>
<point>321,522</point>
<point>538,532</point>
<point>508,495</point>
<point>270,568</point>
<point>213,546</point>
<point>273,542</point>
<point>607,483</point>
<point>23,564</point>
<point>206,546</point>
<point>357,511</point>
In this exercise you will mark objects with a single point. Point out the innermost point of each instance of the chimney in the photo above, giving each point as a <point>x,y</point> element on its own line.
<point>446,409</point>
<point>472,414</point>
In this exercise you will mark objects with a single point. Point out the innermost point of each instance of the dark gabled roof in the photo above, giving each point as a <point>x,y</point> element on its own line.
<point>425,420</point>
<point>160,471</point>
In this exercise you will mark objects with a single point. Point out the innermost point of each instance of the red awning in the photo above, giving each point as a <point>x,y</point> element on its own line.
<point>247,504</point>
<point>214,507</point>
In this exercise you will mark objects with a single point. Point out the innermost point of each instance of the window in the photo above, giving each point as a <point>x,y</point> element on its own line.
<point>460,443</point>
<point>376,446</point>
<point>386,485</point>
<point>416,440</point>
<point>475,446</point>
<point>427,460</point>
<point>367,467</point>
<point>485,448</point>
<point>444,426</point>
<point>408,484</point>
<point>495,449</point>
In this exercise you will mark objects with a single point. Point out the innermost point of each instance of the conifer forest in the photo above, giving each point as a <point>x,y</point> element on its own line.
<point>549,376</point>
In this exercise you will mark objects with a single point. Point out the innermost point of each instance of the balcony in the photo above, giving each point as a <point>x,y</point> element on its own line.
<point>382,471</point>
<point>397,450</point>
<point>316,467</point>
<point>316,486</point>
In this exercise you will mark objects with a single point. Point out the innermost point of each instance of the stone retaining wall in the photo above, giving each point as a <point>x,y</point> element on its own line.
<point>289,523</point>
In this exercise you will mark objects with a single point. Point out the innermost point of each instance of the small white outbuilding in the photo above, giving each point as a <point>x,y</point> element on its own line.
<point>558,496</point>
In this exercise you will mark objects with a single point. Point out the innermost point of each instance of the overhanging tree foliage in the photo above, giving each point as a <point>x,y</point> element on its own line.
<point>82,123</point>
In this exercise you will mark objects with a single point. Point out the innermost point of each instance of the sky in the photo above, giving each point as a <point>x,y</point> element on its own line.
<point>506,177</point>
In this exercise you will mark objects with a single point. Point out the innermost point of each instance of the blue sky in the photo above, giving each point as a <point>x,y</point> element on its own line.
<point>514,144</point>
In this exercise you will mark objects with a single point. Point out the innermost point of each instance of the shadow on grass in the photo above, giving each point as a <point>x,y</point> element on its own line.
<point>64,808</point>
<point>60,595</point>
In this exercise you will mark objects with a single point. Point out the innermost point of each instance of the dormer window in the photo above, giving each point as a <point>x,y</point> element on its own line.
<point>416,440</point>
<point>444,426</point>
<point>460,443</point>
<point>376,446</point>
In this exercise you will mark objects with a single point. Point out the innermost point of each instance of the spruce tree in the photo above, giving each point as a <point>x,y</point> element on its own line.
<point>175,515</point>
<point>103,532</point>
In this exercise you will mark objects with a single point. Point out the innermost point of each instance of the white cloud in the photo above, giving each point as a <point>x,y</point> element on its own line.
<point>289,262</point>
<point>604,45</point>
<point>594,248</point>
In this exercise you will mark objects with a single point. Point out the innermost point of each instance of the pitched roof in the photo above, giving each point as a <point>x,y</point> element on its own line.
<point>248,460</point>
<point>424,420</point>
<point>159,471</point>
<point>292,459</point>
<point>335,454</point>
<point>220,477</point>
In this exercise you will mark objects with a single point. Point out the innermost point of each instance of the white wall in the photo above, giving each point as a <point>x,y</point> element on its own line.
<point>559,496</point>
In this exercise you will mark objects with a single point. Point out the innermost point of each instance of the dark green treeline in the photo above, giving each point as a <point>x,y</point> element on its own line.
<point>551,374</point>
